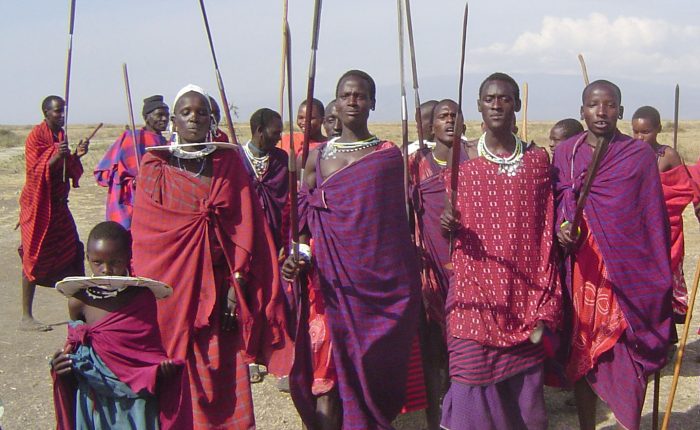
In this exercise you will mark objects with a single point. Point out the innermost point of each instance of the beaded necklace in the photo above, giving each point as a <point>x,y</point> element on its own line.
<point>334,146</point>
<point>260,164</point>
<point>506,165</point>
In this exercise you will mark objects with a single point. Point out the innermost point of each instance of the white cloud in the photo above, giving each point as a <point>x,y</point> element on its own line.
<point>648,49</point>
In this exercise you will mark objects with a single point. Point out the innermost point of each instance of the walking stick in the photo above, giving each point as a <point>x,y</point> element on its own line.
<point>524,130</point>
<point>655,407</point>
<point>459,124</point>
<point>414,72</point>
<point>94,132</point>
<point>219,81</point>
<point>584,70</point>
<point>591,173</point>
<point>681,349</point>
<point>130,109</point>
<point>66,93</point>
<point>675,117</point>
<point>292,164</point>
<point>404,112</point>
<point>310,87</point>
<point>285,10</point>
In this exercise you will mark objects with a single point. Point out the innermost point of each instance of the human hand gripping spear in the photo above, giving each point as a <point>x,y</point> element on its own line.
<point>459,125</point>
<point>219,81</point>
<point>69,58</point>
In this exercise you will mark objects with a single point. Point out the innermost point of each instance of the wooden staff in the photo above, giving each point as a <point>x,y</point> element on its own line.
<point>584,70</point>
<point>404,110</point>
<point>66,93</point>
<point>414,71</point>
<point>130,109</point>
<point>524,130</point>
<point>219,81</point>
<point>310,88</point>
<point>681,349</point>
<point>598,153</point>
<point>94,132</point>
<point>675,116</point>
<point>285,25</point>
<point>292,165</point>
<point>459,123</point>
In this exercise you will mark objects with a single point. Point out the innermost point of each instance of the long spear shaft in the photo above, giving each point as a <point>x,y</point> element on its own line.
<point>219,81</point>
<point>414,72</point>
<point>310,88</point>
<point>459,122</point>
<point>525,96</point>
<point>293,214</point>
<point>584,70</point>
<point>404,110</point>
<point>285,24</point>
<point>130,109</point>
<point>675,116</point>
<point>66,93</point>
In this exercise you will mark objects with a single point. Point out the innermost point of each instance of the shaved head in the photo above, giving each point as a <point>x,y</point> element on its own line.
<point>602,83</point>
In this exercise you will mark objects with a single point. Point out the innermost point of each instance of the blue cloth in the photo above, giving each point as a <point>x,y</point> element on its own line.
<point>105,402</point>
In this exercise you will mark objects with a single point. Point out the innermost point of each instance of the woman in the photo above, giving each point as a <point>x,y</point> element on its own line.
<point>198,227</point>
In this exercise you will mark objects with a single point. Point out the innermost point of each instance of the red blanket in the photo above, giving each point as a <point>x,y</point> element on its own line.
<point>49,235</point>
<point>678,193</point>
<point>505,277</point>
<point>129,344</point>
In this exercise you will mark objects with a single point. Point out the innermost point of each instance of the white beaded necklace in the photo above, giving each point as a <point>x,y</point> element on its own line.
<point>506,165</point>
<point>260,164</point>
<point>333,146</point>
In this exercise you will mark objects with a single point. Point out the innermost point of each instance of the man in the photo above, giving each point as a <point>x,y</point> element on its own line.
<point>426,168</point>
<point>316,136</point>
<point>505,286</point>
<point>679,192</point>
<point>118,168</point>
<point>331,123</point>
<point>563,130</point>
<point>218,134</point>
<point>267,167</point>
<point>50,248</point>
<point>425,122</point>
<point>620,278</point>
<point>351,198</point>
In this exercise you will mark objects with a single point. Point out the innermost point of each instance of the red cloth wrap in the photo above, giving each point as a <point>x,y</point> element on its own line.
<point>175,246</point>
<point>49,235</point>
<point>505,275</point>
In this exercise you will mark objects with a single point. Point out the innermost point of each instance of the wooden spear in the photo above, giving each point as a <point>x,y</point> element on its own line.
<point>66,93</point>
<point>292,164</point>
<point>584,70</point>
<point>130,109</point>
<point>524,130</point>
<point>285,25</point>
<point>404,111</point>
<point>675,117</point>
<point>459,123</point>
<point>219,81</point>
<point>310,88</point>
<point>681,348</point>
<point>414,71</point>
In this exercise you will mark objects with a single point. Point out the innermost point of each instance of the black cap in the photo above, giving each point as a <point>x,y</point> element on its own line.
<point>152,103</point>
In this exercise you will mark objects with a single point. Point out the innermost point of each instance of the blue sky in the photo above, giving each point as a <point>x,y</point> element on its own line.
<point>645,46</point>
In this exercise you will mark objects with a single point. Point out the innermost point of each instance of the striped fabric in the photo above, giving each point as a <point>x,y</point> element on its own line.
<point>371,303</point>
<point>50,245</point>
<point>627,216</point>
<point>117,171</point>
<point>194,235</point>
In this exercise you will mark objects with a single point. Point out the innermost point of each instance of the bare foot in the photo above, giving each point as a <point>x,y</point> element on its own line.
<point>30,324</point>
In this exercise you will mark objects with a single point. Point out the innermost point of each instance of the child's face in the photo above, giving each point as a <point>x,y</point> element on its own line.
<point>644,129</point>
<point>108,258</point>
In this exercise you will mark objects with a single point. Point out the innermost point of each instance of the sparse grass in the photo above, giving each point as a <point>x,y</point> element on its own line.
<point>9,139</point>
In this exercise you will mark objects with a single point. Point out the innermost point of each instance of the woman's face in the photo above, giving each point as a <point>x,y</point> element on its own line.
<point>192,117</point>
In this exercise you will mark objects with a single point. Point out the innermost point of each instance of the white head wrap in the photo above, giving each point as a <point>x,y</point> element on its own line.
<point>208,149</point>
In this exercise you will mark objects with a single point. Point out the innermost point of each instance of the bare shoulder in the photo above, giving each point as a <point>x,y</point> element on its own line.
<point>76,308</point>
<point>672,158</point>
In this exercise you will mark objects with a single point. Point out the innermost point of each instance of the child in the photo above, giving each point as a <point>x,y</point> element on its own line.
<point>678,193</point>
<point>113,371</point>
<point>563,130</point>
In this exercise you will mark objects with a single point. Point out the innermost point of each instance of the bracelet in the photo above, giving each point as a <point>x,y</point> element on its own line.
<point>565,223</point>
<point>304,251</point>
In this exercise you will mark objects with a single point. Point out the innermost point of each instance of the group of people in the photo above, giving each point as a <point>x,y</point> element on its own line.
<point>464,307</point>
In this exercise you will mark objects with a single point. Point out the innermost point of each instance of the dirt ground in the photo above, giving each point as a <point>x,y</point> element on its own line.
<point>25,384</point>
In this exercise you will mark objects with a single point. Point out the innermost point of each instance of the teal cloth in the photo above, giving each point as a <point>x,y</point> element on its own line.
<point>105,402</point>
